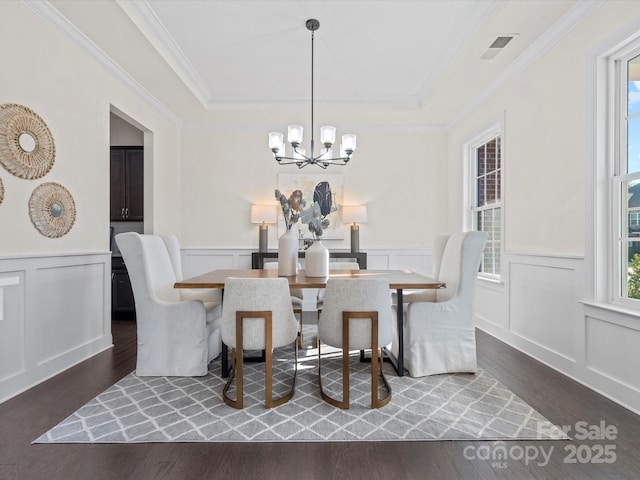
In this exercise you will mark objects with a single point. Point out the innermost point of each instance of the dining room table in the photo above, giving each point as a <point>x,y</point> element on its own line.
<point>399,280</point>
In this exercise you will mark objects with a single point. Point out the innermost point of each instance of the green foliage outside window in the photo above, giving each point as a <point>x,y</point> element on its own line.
<point>633,286</point>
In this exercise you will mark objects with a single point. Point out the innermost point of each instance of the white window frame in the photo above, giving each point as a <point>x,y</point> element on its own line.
<point>618,134</point>
<point>605,154</point>
<point>470,166</point>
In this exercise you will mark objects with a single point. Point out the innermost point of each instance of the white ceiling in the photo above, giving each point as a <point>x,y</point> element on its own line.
<point>400,54</point>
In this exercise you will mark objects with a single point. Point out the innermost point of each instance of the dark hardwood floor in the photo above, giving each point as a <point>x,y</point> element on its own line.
<point>561,400</point>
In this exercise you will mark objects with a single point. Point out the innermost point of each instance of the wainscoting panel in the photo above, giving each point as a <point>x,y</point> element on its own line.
<point>612,351</point>
<point>11,329</point>
<point>490,304</point>
<point>57,315</point>
<point>415,260</point>
<point>61,325</point>
<point>543,306</point>
<point>199,261</point>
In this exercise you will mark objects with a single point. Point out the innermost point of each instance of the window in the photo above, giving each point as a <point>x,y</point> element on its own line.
<point>484,171</point>
<point>626,177</point>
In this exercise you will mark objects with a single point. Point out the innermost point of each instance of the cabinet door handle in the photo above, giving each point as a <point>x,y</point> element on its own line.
<point>126,212</point>
<point>122,212</point>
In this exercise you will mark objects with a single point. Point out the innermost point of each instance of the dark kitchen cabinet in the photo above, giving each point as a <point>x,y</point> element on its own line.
<point>127,184</point>
<point>122,303</point>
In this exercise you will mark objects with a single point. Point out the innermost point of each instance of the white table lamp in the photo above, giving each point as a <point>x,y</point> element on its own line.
<point>263,214</point>
<point>354,214</point>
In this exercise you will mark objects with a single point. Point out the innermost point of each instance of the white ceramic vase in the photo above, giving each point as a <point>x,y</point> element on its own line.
<point>288,253</point>
<point>317,260</point>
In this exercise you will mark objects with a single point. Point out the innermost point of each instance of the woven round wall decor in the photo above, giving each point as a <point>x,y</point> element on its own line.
<point>52,210</point>
<point>27,149</point>
<point>1,191</point>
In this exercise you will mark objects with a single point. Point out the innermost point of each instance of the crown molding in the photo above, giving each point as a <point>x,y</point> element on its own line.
<point>562,27</point>
<point>145,19</point>
<point>413,129</point>
<point>53,17</point>
<point>143,16</point>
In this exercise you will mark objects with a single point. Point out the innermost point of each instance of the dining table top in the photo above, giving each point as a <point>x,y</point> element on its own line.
<point>398,279</point>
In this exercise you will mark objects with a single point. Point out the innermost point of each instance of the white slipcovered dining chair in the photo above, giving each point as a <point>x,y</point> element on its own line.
<point>356,316</point>
<point>257,315</point>
<point>176,337</point>
<point>207,295</point>
<point>439,330</point>
<point>429,295</point>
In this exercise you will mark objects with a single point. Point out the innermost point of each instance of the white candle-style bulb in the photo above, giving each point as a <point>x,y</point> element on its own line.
<point>276,140</point>
<point>327,135</point>
<point>294,135</point>
<point>349,142</point>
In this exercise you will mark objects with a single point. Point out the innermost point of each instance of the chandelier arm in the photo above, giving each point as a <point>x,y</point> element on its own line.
<point>341,162</point>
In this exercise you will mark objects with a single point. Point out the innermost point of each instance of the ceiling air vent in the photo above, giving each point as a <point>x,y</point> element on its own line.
<point>498,44</point>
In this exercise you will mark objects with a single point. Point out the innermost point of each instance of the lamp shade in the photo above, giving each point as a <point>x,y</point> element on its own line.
<point>264,213</point>
<point>354,214</point>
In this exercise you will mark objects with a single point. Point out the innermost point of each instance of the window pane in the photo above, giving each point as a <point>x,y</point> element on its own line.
<point>493,187</point>
<point>481,162</point>
<point>633,93</point>
<point>633,145</point>
<point>481,190</point>
<point>489,221</point>
<point>491,150</point>
<point>630,228</point>
<point>631,208</point>
<point>631,276</point>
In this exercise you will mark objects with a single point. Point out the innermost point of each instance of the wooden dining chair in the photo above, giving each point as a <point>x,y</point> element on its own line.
<point>356,316</point>
<point>257,315</point>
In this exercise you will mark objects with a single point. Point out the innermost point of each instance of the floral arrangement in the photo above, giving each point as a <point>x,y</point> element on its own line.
<point>292,207</point>
<point>313,216</point>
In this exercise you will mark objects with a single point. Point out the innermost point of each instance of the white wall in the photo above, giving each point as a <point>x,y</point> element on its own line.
<point>123,134</point>
<point>73,93</point>
<point>399,176</point>
<point>59,311</point>
<point>539,306</point>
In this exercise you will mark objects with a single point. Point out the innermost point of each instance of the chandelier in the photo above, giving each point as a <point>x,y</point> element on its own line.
<point>327,136</point>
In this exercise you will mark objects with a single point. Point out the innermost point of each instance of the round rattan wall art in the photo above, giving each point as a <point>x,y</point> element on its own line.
<point>52,210</point>
<point>27,149</point>
<point>1,191</point>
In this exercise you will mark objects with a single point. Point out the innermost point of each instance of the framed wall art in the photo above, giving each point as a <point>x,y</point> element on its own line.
<point>325,188</point>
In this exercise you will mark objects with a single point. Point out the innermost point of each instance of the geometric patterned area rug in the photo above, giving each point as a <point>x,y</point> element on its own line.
<point>191,409</point>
